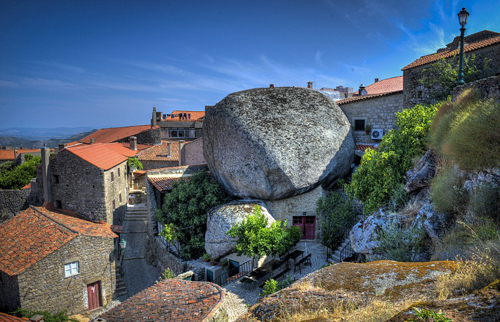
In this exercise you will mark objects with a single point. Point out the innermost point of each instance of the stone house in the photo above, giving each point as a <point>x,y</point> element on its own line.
<point>374,108</point>
<point>145,134</point>
<point>54,262</point>
<point>161,155</point>
<point>483,44</point>
<point>17,156</point>
<point>192,153</point>
<point>88,179</point>
<point>183,125</point>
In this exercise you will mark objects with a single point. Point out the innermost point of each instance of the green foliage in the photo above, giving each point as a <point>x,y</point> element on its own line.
<point>255,238</point>
<point>399,198</point>
<point>486,202</point>
<point>466,132</point>
<point>425,315</point>
<point>185,211</point>
<point>133,162</point>
<point>380,171</point>
<point>448,193</point>
<point>47,317</point>
<point>19,176</point>
<point>400,243</point>
<point>336,214</point>
<point>441,77</point>
<point>271,286</point>
<point>167,274</point>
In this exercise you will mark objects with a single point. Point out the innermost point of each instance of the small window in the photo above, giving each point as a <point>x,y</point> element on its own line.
<point>56,178</point>
<point>359,125</point>
<point>419,94</point>
<point>58,204</point>
<point>112,176</point>
<point>120,198</point>
<point>71,269</point>
<point>114,205</point>
<point>118,172</point>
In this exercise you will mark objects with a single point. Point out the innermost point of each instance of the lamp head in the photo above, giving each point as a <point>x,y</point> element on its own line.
<point>462,17</point>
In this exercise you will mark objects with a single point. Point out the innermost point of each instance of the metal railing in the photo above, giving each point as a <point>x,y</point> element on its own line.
<point>233,274</point>
<point>344,234</point>
<point>346,252</point>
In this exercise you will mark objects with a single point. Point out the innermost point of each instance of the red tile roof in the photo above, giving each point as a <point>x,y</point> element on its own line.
<point>4,317</point>
<point>9,154</point>
<point>170,300</point>
<point>364,97</point>
<point>164,183</point>
<point>36,232</point>
<point>388,85</point>
<point>28,186</point>
<point>195,116</point>
<point>450,53</point>
<point>103,155</point>
<point>161,152</point>
<point>114,134</point>
<point>363,147</point>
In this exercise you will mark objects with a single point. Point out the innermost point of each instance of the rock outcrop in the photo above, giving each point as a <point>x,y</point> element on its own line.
<point>222,218</point>
<point>421,175</point>
<point>274,143</point>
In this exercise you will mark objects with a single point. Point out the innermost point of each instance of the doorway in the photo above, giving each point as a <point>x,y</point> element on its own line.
<point>307,225</point>
<point>94,295</point>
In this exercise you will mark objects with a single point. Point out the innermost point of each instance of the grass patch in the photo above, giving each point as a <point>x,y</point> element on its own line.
<point>448,193</point>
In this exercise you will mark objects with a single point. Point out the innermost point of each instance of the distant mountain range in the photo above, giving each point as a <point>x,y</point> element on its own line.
<point>38,137</point>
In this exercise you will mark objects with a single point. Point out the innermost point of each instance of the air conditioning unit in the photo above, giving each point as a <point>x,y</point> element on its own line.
<point>377,134</point>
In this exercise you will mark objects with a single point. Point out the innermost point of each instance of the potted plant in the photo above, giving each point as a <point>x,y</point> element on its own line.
<point>206,257</point>
<point>368,128</point>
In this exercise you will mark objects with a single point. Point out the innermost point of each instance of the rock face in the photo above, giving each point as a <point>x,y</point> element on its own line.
<point>421,175</point>
<point>221,219</point>
<point>274,143</point>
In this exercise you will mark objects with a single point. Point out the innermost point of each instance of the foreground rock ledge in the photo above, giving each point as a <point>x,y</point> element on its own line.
<point>274,143</point>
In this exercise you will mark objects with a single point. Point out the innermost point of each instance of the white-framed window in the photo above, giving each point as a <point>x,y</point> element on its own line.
<point>71,269</point>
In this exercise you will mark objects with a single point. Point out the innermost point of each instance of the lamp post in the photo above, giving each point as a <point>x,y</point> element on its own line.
<point>462,19</point>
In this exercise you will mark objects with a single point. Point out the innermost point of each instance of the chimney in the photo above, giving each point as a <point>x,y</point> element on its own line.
<point>16,153</point>
<point>47,193</point>
<point>62,146</point>
<point>182,154</point>
<point>310,85</point>
<point>376,80</point>
<point>153,118</point>
<point>92,140</point>
<point>362,91</point>
<point>271,85</point>
<point>133,143</point>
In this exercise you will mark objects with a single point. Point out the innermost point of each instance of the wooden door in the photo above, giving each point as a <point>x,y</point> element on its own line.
<point>94,295</point>
<point>310,227</point>
<point>298,221</point>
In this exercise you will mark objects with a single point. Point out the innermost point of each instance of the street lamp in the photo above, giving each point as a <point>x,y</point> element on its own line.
<point>462,19</point>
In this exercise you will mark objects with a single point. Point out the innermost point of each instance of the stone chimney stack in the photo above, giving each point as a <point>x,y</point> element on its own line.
<point>362,91</point>
<point>47,189</point>
<point>376,80</point>
<point>153,119</point>
<point>310,85</point>
<point>16,153</point>
<point>62,146</point>
<point>92,140</point>
<point>133,143</point>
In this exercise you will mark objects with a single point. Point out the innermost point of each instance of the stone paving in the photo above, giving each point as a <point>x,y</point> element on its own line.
<point>238,297</point>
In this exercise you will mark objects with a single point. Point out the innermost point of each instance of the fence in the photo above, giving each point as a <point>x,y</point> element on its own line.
<point>232,274</point>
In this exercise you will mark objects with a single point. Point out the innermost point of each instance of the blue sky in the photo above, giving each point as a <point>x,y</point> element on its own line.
<point>107,63</point>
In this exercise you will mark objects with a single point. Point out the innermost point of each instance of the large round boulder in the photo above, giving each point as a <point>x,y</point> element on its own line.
<point>274,143</point>
<point>222,218</point>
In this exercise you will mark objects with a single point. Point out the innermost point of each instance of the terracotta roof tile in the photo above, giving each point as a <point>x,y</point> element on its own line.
<point>9,154</point>
<point>28,186</point>
<point>4,317</point>
<point>170,300</point>
<point>365,97</point>
<point>164,183</point>
<point>450,53</point>
<point>161,152</point>
<point>114,134</point>
<point>103,155</point>
<point>363,147</point>
<point>197,116</point>
<point>388,85</point>
<point>36,232</point>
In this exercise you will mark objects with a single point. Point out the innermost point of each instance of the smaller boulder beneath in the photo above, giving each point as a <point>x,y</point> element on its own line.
<point>222,218</point>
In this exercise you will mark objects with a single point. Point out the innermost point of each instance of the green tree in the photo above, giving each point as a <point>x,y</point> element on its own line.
<point>185,211</point>
<point>381,170</point>
<point>256,238</point>
<point>19,176</point>
<point>442,75</point>
<point>133,162</point>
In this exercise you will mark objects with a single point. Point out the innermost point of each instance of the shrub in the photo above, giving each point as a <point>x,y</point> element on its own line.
<point>380,171</point>
<point>448,194</point>
<point>272,286</point>
<point>47,316</point>
<point>185,211</point>
<point>336,214</point>
<point>486,202</point>
<point>399,197</point>
<point>400,244</point>
<point>167,274</point>
<point>19,176</point>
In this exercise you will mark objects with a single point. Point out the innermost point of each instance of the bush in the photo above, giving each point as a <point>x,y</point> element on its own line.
<point>380,171</point>
<point>185,211</point>
<point>19,176</point>
<point>47,317</point>
<point>448,194</point>
<point>466,131</point>
<point>272,286</point>
<point>400,243</point>
<point>399,198</point>
<point>336,214</point>
<point>486,202</point>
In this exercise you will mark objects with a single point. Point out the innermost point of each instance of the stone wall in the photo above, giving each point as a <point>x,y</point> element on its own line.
<point>151,136</point>
<point>379,112</point>
<point>192,153</point>
<point>157,164</point>
<point>115,188</point>
<point>488,87</point>
<point>43,285</point>
<point>300,205</point>
<point>12,202</point>
<point>415,93</point>
<point>80,187</point>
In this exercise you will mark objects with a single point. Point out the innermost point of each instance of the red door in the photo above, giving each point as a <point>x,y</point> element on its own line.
<point>94,295</point>
<point>307,225</point>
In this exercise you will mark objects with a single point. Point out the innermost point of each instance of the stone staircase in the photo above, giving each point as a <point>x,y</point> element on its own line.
<point>136,214</point>
<point>121,289</point>
<point>335,257</point>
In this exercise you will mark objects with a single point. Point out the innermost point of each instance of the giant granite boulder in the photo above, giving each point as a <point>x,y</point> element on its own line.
<point>274,143</point>
<point>222,218</point>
